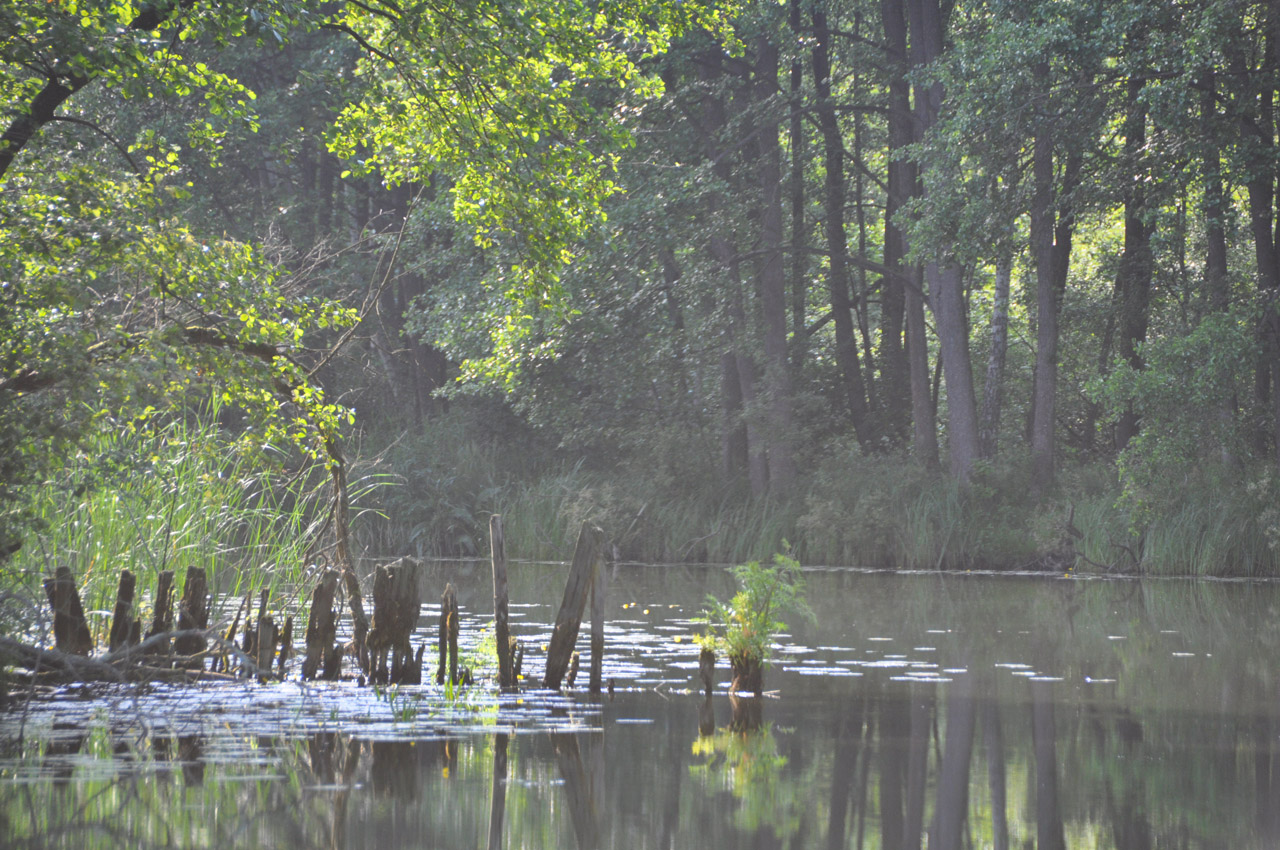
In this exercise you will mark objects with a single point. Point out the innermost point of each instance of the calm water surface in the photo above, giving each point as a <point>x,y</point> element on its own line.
<point>919,711</point>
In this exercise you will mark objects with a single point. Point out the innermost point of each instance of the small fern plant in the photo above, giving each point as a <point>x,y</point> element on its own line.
<point>744,629</point>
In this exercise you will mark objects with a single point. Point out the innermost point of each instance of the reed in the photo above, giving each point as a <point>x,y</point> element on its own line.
<point>195,498</point>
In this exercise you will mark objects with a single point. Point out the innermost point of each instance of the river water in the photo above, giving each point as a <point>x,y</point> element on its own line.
<point>919,710</point>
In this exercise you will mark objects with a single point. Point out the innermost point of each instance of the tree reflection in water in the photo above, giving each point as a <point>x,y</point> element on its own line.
<point>1152,724</point>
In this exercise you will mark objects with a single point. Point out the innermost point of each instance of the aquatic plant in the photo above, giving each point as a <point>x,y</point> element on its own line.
<point>744,629</point>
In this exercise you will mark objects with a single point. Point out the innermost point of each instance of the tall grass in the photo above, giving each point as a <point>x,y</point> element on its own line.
<point>171,497</point>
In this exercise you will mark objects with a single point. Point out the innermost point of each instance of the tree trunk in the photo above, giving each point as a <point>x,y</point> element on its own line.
<point>896,377</point>
<point>837,241</point>
<point>771,280</point>
<point>993,389</point>
<point>1133,278</point>
<point>1046,370</point>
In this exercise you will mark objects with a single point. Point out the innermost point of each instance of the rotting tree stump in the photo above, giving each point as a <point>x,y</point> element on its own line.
<point>193,617</point>
<point>748,675</point>
<point>70,628</point>
<point>322,631</point>
<point>397,602</point>
<point>162,614</point>
<point>123,629</point>
<point>707,670</point>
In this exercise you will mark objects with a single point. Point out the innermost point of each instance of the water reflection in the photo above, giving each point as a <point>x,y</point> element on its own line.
<point>921,713</point>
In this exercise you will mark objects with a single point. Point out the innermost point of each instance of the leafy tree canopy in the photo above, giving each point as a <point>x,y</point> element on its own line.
<point>114,308</point>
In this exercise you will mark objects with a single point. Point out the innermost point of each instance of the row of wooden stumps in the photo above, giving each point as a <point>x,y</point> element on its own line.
<point>264,648</point>
<point>180,642</point>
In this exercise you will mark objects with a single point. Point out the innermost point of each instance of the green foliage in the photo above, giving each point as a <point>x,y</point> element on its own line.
<point>171,496</point>
<point>1184,397</point>
<point>744,628</point>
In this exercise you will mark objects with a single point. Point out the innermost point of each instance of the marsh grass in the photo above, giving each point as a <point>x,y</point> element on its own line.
<point>191,497</point>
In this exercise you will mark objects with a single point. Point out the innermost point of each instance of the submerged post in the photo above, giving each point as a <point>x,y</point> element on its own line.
<point>501,623</point>
<point>569,620</point>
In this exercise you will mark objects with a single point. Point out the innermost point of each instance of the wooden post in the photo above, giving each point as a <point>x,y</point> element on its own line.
<point>707,670</point>
<point>162,614</point>
<point>264,640</point>
<point>322,625</point>
<point>122,616</point>
<point>266,646</point>
<point>448,635</point>
<point>193,613</point>
<point>568,621</point>
<point>70,629</point>
<point>501,623</point>
<point>599,590</point>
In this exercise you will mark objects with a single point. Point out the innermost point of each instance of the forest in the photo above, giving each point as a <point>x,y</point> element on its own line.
<point>962,284</point>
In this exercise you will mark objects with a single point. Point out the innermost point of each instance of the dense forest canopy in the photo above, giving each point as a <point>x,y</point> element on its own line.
<point>904,282</point>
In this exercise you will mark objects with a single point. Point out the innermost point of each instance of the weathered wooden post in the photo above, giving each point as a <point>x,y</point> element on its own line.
<point>122,615</point>
<point>286,645</point>
<point>193,614</point>
<point>264,641</point>
<point>448,635</point>
<point>707,669</point>
<point>162,615</point>
<point>569,620</point>
<point>70,629</point>
<point>322,627</point>
<point>501,622</point>
<point>397,602</point>
<point>599,590</point>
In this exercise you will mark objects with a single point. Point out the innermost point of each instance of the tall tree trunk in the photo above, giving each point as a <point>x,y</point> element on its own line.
<point>796,186</point>
<point>1215,202</point>
<point>833,225</point>
<point>896,375</point>
<point>1133,277</point>
<point>946,283</point>
<point>771,278</point>
<point>742,438</point>
<point>1046,369</point>
<point>993,388</point>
